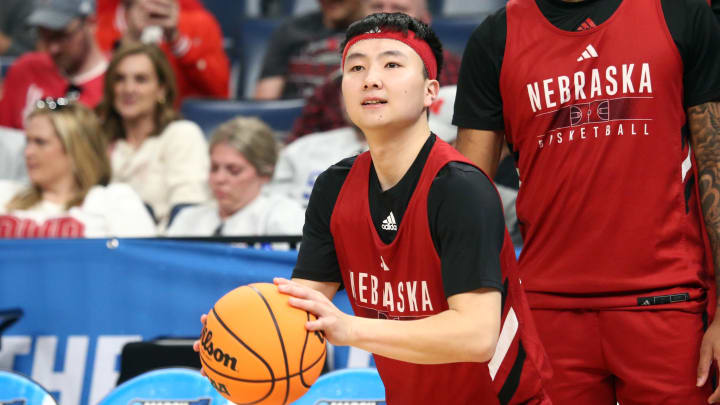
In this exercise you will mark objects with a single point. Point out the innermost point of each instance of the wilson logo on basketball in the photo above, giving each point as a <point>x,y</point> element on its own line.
<point>216,352</point>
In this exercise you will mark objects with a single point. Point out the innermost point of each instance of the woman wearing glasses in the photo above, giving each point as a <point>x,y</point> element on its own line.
<point>69,195</point>
<point>161,156</point>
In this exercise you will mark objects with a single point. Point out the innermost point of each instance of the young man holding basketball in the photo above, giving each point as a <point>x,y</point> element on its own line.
<point>415,233</point>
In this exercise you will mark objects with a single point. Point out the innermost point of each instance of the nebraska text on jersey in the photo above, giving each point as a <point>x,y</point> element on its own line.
<point>407,296</point>
<point>562,90</point>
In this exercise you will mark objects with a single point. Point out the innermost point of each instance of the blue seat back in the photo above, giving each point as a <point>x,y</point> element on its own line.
<point>278,114</point>
<point>253,38</point>
<point>455,32</point>
<point>166,385</point>
<point>350,384</point>
<point>16,389</point>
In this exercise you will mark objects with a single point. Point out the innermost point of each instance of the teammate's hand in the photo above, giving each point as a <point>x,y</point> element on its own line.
<point>336,324</point>
<point>709,351</point>
<point>197,345</point>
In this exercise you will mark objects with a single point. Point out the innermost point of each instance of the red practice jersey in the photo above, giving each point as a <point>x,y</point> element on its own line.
<point>403,281</point>
<point>608,201</point>
<point>34,76</point>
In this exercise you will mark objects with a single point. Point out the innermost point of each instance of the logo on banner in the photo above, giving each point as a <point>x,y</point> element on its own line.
<point>203,401</point>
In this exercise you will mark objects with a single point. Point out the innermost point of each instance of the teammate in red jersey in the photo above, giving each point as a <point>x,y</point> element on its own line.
<point>611,110</point>
<point>415,233</point>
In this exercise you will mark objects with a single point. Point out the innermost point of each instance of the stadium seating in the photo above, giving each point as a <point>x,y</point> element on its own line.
<point>167,386</point>
<point>279,114</point>
<point>350,385</point>
<point>464,7</point>
<point>454,32</point>
<point>253,39</point>
<point>16,389</point>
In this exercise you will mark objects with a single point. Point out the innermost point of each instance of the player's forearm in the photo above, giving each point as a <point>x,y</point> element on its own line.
<point>482,148</point>
<point>704,122</point>
<point>447,337</point>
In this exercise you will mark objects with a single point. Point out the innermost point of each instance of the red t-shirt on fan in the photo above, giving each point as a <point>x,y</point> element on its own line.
<point>608,200</point>
<point>403,281</point>
<point>34,76</point>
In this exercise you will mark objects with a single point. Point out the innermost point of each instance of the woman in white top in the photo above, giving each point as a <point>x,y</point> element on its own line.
<point>243,153</point>
<point>161,156</point>
<point>69,171</point>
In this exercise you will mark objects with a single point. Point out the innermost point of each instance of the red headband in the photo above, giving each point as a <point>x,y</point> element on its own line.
<point>418,45</point>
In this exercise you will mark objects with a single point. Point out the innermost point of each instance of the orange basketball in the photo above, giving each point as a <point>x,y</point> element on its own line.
<point>255,348</point>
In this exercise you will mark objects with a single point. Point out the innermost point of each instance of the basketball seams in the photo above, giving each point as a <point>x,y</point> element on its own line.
<point>282,342</point>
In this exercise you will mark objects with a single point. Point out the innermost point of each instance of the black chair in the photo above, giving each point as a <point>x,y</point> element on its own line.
<point>253,37</point>
<point>7,318</point>
<point>278,114</point>
<point>139,357</point>
<point>455,32</point>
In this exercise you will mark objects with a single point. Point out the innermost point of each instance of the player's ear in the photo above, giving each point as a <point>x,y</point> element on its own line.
<point>432,88</point>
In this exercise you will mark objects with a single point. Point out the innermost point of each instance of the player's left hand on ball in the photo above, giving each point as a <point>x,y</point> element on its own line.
<point>336,324</point>
<point>709,351</point>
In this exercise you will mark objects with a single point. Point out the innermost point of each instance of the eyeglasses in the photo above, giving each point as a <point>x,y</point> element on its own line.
<point>52,104</point>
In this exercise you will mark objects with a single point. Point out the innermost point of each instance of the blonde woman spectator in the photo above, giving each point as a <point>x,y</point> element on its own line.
<point>243,153</point>
<point>161,156</point>
<point>69,195</point>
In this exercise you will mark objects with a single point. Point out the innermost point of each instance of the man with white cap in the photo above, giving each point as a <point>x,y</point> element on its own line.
<point>69,64</point>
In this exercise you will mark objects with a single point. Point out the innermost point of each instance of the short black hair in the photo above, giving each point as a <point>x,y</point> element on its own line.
<point>398,22</point>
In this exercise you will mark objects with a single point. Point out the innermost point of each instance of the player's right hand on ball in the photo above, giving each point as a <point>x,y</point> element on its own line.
<point>197,345</point>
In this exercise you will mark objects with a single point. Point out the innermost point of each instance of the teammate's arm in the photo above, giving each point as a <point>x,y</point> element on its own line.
<point>704,123</point>
<point>466,332</point>
<point>482,147</point>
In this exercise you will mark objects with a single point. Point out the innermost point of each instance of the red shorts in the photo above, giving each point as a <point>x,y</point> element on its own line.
<point>634,357</point>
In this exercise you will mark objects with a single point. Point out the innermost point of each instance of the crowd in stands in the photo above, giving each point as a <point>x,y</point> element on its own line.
<point>92,143</point>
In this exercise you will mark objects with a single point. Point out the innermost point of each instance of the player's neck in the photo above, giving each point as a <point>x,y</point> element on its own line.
<point>393,151</point>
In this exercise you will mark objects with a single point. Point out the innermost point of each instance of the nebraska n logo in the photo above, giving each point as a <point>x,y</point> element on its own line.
<point>588,53</point>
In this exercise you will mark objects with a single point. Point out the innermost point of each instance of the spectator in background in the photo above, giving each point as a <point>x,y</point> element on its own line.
<point>16,36</point>
<point>70,63</point>
<point>187,33</point>
<point>69,170</point>
<point>161,156</point>
<point>322,110</point>
<point>243,152</point>
<point>304,51</point>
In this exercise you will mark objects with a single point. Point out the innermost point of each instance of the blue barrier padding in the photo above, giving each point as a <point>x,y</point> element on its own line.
<point>346,386</point>
<point>170,385</point>
<point>16,389</point>
<point>83,299</point>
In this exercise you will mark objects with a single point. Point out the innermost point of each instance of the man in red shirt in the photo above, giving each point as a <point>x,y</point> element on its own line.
<point>187,33</point>
<point>611,109</point>
<point>69,64</point>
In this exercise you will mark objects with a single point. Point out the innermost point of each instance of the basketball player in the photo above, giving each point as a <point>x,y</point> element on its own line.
<point>415,233</point>
<point>611,108</point>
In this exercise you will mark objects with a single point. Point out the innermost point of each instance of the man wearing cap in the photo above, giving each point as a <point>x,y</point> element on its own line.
<point>69,63</point>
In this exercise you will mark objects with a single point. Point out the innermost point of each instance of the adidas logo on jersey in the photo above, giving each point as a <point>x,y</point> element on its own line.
<point>389,223</point>
<point>383,265</point>
<point>588,53</point>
